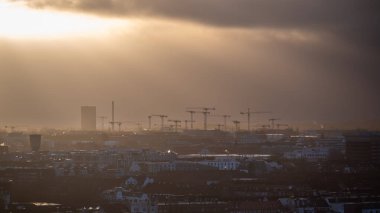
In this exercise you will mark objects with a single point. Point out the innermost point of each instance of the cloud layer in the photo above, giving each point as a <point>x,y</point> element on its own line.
<point>354,20</point>
<point>304,60</point>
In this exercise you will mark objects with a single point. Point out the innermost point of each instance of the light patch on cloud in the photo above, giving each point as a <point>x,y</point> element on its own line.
<point>18,21</point>
<point>357,22</point>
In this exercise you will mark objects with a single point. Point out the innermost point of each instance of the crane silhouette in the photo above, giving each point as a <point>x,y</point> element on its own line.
<point>176,124</point>
<point>205,111</point>
<point>237,125</point>
<point>249,113</point>
<point>162,119</point>
<point>225,117</point>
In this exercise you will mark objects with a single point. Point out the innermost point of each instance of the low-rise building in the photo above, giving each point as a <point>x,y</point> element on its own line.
<point>363,148</point>
<point>194,206</point>
<point>258,207</point>
<point>135,202</point>
<point>222,163</point>
<point>309,154</point>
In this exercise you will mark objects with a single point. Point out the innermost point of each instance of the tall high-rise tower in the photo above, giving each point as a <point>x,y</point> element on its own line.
<point>88,118</point>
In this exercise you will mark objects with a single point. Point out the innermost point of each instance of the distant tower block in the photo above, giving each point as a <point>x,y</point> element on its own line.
<point>88,118</point>
<point>35,142</point>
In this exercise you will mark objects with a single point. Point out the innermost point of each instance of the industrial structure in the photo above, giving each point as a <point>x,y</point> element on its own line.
<point>113,117</point>
<point>249,113</point>
<point>89,121</point>
<point>205,111</point>
<point>162,120</point>
<point>177,123</point>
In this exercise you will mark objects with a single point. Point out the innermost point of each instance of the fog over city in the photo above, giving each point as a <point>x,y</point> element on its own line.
<point>189,106</point>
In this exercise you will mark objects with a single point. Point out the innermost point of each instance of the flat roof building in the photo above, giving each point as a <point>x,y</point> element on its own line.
<point>363,148</point>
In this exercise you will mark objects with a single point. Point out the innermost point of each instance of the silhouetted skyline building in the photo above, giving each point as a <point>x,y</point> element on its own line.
<point>88,118</point>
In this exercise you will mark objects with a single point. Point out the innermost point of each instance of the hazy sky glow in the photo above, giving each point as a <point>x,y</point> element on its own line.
<point>308,62</point>
<point>18,21</point>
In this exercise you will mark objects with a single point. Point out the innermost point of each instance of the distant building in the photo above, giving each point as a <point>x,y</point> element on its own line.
<point>222,163</point>
<point>309,154</point>
<point>338,143</point>
<point>136,202</point>
<point>194,206</point>
<point>155,167</point>
<point>305,205</point>
<point>247,138</point>
<point>5,194</point>
<point>88,118</point>
<point>363,148</point>
<point>259,207</point>
<point>364,204</point>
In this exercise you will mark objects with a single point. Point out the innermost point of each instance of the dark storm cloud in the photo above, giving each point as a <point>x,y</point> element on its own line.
<point>358,21</point>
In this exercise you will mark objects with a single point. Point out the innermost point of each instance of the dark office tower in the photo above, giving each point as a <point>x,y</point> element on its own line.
<point>88,118</point>
<point>363,148</point>
<point>35,142</point>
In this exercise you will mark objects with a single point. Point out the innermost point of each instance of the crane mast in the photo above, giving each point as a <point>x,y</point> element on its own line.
<point>249,113</point>
<point>205,111</point>
<point>176,124</point>
<point>162,120</point>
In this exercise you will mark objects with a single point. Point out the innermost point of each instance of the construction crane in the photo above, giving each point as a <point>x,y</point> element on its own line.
<point>113,117</point>
<point>224,120</point>
<point>188,121</point>
<point>191,117</point>
<point>176,124</point>
<point>119,123</point>
<point>272,120</point>
<point>150,122</point>
<point>162,120</point>
<point>249,113</point>
<point>205,111</point>
<point>219,126</point>
<point>102,118</point>
<point>237,125</point>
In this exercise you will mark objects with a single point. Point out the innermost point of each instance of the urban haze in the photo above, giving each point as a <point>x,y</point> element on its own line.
<point>146,106</point>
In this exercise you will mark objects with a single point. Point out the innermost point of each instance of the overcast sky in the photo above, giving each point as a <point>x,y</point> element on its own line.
<point>309,62</point>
